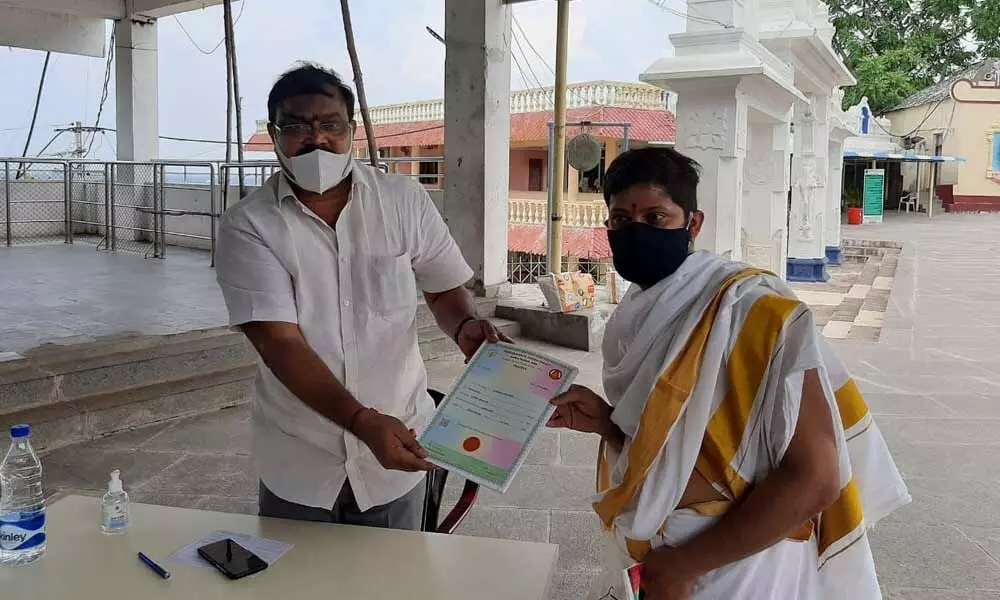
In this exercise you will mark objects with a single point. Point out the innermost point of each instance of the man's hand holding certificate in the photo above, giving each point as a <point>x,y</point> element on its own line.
<point>485,427</point>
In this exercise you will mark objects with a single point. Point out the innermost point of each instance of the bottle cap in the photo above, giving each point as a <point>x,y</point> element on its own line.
<point>20,431</point>
<point>115,484</point>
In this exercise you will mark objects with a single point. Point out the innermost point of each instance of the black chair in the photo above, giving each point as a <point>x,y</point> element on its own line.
<point>436,481</point>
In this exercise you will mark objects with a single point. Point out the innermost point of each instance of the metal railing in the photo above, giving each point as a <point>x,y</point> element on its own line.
<point>146,207</point>
<point>115,205</point>
<point>33,208</point>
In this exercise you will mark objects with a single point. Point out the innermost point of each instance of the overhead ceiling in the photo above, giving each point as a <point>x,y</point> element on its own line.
<point>77,26</point>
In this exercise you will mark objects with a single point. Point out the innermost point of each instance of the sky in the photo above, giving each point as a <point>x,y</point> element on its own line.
<point>609,39</point>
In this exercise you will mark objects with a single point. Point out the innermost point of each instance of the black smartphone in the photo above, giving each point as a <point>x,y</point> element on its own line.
<point>233,560</point>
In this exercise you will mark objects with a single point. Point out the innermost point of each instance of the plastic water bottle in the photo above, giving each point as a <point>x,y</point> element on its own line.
<point>22,506</point>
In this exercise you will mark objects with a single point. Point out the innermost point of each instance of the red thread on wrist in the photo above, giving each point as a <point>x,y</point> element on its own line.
<point>458,330</point>
<point>354,418</point>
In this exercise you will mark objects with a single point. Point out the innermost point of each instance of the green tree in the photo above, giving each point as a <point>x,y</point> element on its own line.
<point>897,47</point>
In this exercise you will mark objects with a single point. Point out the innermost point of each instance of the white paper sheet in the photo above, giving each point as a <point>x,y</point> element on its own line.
<point>268,550</point>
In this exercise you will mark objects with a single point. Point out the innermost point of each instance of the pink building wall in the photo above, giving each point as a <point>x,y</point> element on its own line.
<point>519,174</point>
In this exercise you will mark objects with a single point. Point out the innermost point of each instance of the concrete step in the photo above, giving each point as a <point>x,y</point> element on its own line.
<point>52,375</point>
<point>97,415</point>
<point>435,343</point>
<point>85,391</point>
<point>486,307</point>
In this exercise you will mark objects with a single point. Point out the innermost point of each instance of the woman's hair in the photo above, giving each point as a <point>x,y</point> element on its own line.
<point>667,168</point>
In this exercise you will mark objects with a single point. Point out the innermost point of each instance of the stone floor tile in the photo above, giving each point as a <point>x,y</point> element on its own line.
<point>80,467</point>
<point>566,488</point>
<point>132,439</point>
<point>206,475</point>
<point>573,585</point>
<point>581,544</point>
<point>950,500</point>
<point>244,506</point>
<point>837,330</point>
<point>869,318</point>
<point>932,556</point>
<point>907,405</point>
<point>578,449</point>
<point>882,283</point>
<point>545,450</point>
<point>224,432</point>
<point>858,291</point>
<point>507,523</point>
<point>819,298</point>
<point>899,593</point>
<point>864,333</point>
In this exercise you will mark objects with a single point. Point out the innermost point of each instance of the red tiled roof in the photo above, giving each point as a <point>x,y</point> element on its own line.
<point>581,242</point>
<point>646,126</point>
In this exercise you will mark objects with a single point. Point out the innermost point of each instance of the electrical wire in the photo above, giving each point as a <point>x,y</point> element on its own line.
<point>34,113</point>
<point>915,129</point>
<point>221,42</point>
<point>691,14</point>
<point>520,71</point>
<point>532,46</point>
<point>104,91</point>
<point>524,56</point>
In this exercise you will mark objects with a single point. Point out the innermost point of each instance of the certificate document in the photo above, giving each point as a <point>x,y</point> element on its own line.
<point>484,428</point>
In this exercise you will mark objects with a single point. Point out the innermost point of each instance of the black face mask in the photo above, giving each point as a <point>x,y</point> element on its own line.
<point>645,255</point>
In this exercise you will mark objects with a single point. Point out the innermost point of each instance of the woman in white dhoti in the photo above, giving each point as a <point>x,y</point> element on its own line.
<point>738,460</point>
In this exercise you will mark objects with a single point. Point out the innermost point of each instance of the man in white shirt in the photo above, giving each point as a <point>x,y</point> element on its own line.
<point>320,268</point>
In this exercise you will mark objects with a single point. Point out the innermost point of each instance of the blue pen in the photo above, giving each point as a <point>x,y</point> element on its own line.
<point>149,562</point>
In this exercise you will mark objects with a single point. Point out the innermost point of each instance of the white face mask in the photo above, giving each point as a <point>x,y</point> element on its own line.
<point>316,171</point>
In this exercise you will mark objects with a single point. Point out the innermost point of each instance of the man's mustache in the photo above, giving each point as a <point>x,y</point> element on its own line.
<point>307,149</point>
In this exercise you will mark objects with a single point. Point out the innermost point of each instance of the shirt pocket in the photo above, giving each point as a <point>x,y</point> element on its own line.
<point>389,286</point>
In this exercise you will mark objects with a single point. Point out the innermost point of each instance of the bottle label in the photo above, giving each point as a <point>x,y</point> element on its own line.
<point>115,515</point>
<point>22,531</point>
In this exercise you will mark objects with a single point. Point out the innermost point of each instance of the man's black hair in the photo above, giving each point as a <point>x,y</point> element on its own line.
<point>308,78</point>
<point>667,168</point>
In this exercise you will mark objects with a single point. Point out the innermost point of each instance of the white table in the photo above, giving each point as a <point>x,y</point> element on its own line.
<point>328,561</point>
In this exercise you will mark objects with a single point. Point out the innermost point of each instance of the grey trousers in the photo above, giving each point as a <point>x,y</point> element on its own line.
<point>404,513</point>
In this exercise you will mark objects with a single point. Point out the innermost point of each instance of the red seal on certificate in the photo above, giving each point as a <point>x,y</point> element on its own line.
<point>555,374</point>
<point>471,444</point>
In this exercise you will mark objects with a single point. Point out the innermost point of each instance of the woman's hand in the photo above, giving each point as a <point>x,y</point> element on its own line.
<point>668,576</point>
<point>580,409</point>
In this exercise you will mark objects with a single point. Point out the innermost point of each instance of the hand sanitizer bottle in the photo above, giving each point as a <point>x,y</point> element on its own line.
<point>114,506</point>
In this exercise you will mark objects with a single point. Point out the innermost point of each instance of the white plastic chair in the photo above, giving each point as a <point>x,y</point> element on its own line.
<point>908,201</point>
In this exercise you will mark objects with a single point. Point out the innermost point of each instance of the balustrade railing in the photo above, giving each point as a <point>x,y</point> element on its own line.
<point>534,211</point>
<point>578,95</point>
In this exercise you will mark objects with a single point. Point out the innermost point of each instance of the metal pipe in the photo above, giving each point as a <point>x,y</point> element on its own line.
<point>548,186</point>
<point>559,154</point>
<point>213,207</point>
<point>6,198</point>
<point>112,221</point>
<point>625,140</point>
<point>107,205</point>
<point>68,195</point>
<point>159,219</point>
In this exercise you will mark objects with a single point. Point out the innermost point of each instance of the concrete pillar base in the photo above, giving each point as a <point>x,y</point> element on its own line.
<point>807,269</point>
<point>834,255</point>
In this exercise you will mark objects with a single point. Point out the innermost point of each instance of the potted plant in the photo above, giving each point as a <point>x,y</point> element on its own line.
<point>852,198</point>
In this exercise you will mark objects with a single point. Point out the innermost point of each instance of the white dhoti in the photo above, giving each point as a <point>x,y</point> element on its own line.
<point>705,372</point>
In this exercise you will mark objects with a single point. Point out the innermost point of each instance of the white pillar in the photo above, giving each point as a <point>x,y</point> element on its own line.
<point>477,136</point>
<point>765,206</point>
<point>834,194</point>
<point>712,129</point>
<point>137,113</point>
<point>806,247</point>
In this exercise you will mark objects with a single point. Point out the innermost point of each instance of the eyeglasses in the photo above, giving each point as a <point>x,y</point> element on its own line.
<point>301,130</point>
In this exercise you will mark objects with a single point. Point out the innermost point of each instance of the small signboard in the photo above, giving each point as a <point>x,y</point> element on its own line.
<point>874,195</point>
